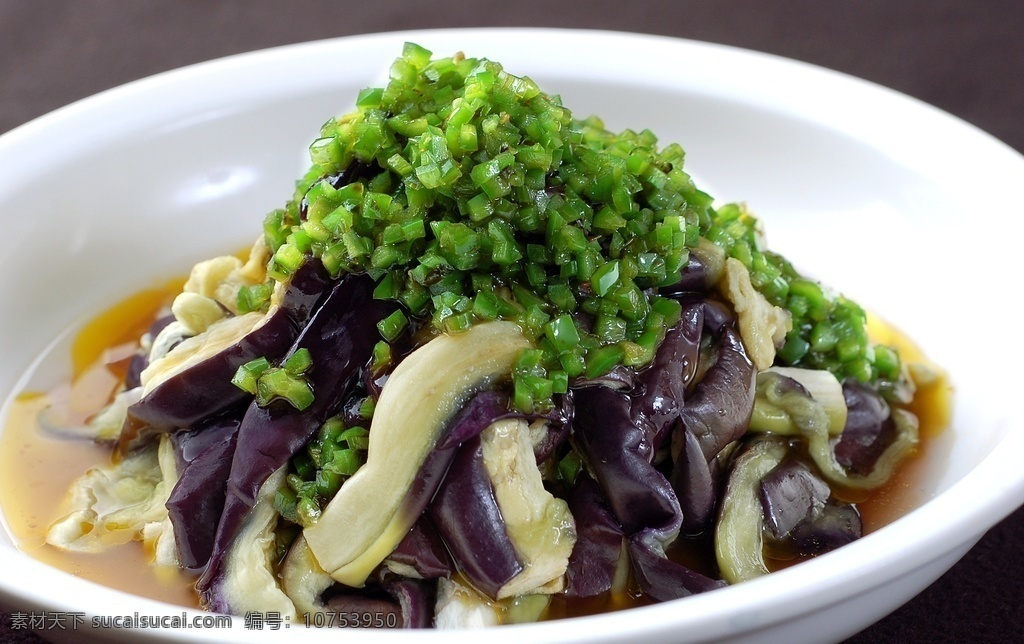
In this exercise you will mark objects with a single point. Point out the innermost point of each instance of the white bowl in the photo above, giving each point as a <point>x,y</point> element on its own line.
<point>869,189</point>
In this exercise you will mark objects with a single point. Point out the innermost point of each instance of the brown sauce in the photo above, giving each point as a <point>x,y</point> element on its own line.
<point>35,473</point>
<point>36,467</point>
<point>933,406</point>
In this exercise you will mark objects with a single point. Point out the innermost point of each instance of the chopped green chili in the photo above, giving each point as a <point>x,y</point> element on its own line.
<point>318,472</point>
<point>286,382</point>
<point>463,170</point>
<point>255,297</point>
<point>829,331</point>
<point>248,374</point>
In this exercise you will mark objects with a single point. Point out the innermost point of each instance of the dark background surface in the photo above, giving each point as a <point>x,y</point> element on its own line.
<point>964,57</point>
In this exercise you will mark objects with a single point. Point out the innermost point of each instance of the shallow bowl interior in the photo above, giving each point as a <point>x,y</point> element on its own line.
<point>865,188</point>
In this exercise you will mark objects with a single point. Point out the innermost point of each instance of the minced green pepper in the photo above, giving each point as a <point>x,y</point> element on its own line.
<point>829,331</point>
<point>317,472</point>
<point>471,195</point>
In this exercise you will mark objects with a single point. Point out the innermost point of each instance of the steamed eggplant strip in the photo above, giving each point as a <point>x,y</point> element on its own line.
<point>661,578</point>
<point>540,527</point>
<point>421,554</point>
<point>905,442</point>
<point>814,422</point>
<point>422,393</point>
<point>620,457</point>
<point>664,384</point>
<point>192,383</point>
<point>114,504</point>
<point>196,502</point>
<point>801,516</point>
<point>246,580</point>
<point>695,481</point>
<point>303,580</point>
<point>762,326</point>
<point>459,606</point>
<point>470,522</point>
<point>416,600</point>
<point>787,399</point>
<point>595,563</point>
<point>719,410</point>
<point>739,545</point>
<point>339,336</point>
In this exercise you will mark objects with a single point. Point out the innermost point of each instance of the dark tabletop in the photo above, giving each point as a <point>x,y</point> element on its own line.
<point>966,57</point>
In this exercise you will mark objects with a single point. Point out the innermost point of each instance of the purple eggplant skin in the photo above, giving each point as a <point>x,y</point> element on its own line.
<point>696,482</point>
<point>664,383</point>
<point>416,599</point>
<point>869,428</point>
<point>558,424</point>
<point>398,602</point>
<point>483,408</point>
<point>719,409</point>
<point>196,502</point>
<point>355,171</point>
<point>422,550</point>
<point>662,579</point>
<point>790,494</point>
<point>453,481</point>
<point>489,406</point>
<point>837,525</point>
<point>455,490</point>
<point>339,337</point>
<point>479,412</point>
<point>619,455</point>
<point>800,513</point>
<point>140,360</point>
<point>468,519</point>
<point>354,610</point>
<point>620,377</point>
<point>599,542</point>
<point>205,390</point>
<point>716,413</point>
<point>309,286</point>
<point>693,278</point>
<point>717,316</point>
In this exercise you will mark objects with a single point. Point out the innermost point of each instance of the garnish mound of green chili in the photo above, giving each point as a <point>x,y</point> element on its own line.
<point>470,195</point>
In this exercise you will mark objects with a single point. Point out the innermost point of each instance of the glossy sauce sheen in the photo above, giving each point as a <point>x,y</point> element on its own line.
<point>36,468</point>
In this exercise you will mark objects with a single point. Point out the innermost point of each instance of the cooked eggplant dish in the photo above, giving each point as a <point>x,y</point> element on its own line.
<point>490,364</point>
